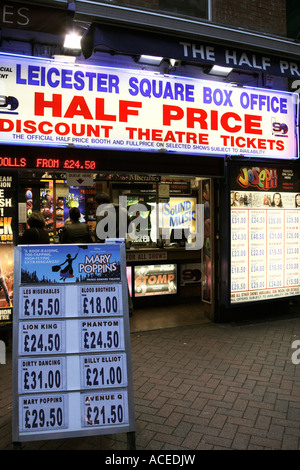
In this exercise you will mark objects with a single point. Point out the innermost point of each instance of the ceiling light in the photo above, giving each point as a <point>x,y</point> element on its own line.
<point>69,59</point>
<point>218,70</point>
<point>150,60</point>
<point>175,62</point>
<point>72,41</point>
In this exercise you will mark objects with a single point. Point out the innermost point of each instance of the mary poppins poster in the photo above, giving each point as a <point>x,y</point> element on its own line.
<point>70,263</point>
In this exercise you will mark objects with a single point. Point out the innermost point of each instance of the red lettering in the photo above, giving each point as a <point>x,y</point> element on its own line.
<point>157,134</point>
<point>100,115</point>
<point>6,125</point>
<point>171,113</point>
<point>280,145</point>
<point>78,107</point>
<point>225,124</point>
<point>125,111</point>
<point>228,121</point>
<point>196,115</point>
<point>251,124</point>
<point>40,104</point>
<point>42,129</point>
<point>240,141</point>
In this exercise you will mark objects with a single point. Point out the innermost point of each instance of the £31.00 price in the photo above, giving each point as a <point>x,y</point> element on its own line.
<point>43,374</point>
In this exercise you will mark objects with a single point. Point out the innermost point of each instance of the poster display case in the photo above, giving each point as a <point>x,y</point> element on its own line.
<point>159,279</point>
<point>265,233</point>
<point>8,183</point>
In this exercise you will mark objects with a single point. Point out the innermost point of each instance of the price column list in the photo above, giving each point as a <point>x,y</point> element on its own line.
<point>103,363</point>
<point>42,364</point>
<point>275,259</point>
<point>292,249</point>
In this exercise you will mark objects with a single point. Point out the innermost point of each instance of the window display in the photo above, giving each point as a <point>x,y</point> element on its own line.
<point>160,279</point>
<point>265,225</point>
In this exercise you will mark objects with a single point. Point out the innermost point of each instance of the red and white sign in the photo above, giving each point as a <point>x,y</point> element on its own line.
<point>51,103</point>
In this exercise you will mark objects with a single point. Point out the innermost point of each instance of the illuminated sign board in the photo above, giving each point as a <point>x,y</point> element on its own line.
<point>53,104</point>
<point>179,212</point>
<point>265,228</point>
<point>159,279</point>
<point>45,163</point>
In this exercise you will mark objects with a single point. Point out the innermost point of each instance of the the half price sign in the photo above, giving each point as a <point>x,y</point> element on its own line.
<point>54,104</point>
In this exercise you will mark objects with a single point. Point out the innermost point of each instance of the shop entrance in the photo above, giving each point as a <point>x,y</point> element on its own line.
<point>169,235</point>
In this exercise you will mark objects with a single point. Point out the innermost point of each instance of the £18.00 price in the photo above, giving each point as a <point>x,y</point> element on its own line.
<point>99,300</point>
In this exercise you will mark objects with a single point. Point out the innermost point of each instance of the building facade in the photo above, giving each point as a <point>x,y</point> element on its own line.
<point>197,156</point>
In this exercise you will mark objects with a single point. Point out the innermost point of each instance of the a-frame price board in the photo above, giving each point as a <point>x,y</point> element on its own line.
<point>71,342</point>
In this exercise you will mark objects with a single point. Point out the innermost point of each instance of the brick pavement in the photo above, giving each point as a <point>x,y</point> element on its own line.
<point>201,387</point>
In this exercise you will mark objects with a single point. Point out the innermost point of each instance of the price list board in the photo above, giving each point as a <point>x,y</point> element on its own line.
<point>265,235</point>
<point>72,363</point>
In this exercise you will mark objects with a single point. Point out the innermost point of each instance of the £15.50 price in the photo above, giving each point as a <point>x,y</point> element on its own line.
<point>42,304</point>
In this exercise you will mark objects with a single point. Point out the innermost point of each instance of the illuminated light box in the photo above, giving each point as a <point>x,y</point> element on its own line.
<point>160,279</point>
<point>265,225</point>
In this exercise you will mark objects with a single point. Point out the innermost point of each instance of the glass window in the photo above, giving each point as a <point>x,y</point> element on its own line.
<point>195,8</point>
<point>192,8</point>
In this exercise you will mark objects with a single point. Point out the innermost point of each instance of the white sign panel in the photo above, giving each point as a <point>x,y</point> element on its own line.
<point>49,103</point>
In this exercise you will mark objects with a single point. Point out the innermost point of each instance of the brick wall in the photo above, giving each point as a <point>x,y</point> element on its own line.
<point>268,16</point>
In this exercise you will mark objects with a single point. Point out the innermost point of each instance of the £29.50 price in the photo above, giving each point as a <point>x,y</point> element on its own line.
<point>43,413</point>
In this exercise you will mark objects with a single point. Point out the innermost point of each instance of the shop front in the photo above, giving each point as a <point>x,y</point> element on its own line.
<point>171,150</point>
